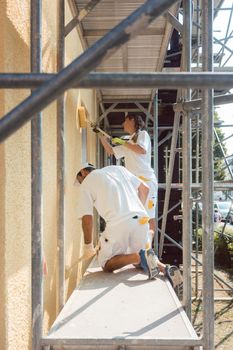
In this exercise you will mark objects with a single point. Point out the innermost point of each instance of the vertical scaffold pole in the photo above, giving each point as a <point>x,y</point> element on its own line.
<point>207,180</point>
<point>187,165</point>
<point>61,162</point>
<point>155,151</point>
<point>169,176</point>
<point>197,220</point>
<point>36,187</point>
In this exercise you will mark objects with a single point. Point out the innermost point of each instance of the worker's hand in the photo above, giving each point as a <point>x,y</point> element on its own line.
<point>89,251</point>
<point>118,141</point>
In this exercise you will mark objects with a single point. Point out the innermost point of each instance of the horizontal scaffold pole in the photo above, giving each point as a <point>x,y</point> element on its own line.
<point>89,60</point>
<point>189,106</point>
<point>218,186</point>
<point>169,81</point>
<point>120,343</point>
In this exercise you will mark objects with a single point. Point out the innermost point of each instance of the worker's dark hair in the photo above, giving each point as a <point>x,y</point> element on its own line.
<point>139,124</point>
<point>89,168</point>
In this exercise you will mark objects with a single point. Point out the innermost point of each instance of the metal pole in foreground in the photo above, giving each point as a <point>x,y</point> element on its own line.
<point>36,187</point>
<point>87,61</point>
<point>131,80</point>
<point>207,181</point>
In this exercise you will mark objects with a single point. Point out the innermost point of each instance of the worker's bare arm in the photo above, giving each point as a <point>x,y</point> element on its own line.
<point>87,225</point>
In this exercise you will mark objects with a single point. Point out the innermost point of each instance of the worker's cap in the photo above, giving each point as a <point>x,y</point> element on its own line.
<point>84,165</point>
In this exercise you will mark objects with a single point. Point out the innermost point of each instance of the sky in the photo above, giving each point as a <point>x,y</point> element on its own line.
<point>223,26</point>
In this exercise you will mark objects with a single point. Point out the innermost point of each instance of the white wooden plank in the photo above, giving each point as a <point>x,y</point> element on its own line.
<point>122,305</point>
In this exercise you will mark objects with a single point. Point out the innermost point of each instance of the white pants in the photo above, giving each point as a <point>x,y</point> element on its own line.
<point>127,237</point>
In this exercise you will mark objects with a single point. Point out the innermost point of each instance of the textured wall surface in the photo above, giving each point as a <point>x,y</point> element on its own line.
<point>15,177</point>
<point>15,200</point>
<point>2,198</point>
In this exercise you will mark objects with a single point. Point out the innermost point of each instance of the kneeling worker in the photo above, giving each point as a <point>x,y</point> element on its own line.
<point>118,197</point>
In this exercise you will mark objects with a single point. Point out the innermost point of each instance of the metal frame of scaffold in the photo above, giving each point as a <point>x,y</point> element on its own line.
<point>49,87</point>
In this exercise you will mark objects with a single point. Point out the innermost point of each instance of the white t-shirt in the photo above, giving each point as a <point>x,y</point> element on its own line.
<point>138,164</point>
<point>113,192</point>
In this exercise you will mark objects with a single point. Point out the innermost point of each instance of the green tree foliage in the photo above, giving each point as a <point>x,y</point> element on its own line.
<point>219,164</point>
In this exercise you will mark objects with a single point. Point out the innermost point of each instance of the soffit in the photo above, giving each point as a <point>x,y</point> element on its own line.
<point>145,53</point>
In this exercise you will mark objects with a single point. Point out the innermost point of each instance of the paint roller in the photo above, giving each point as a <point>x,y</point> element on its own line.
<point>84,121</point>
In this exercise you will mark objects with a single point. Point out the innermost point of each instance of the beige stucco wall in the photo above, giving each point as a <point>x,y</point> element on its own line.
<point>15,176</point>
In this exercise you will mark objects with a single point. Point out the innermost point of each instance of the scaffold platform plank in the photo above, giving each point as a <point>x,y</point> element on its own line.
<point>122,310</point>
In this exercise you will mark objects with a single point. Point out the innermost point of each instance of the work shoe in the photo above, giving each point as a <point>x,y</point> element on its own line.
<point>149,262</point>
<point>175,278</point>
<point>167,274</point>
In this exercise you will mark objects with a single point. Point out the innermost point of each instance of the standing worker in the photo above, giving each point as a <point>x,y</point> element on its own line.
<point>137,154</point>
<point>118,197</point>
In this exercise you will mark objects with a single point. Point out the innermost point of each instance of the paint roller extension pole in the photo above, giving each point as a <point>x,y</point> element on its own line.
<point>101,131</point>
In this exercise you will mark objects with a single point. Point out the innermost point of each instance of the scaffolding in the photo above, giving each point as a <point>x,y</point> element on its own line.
<point>50,87</point>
